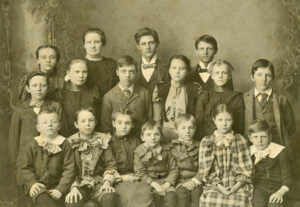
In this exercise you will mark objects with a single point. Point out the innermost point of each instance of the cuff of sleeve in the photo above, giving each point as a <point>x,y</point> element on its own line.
<point>75,184</point>
<point>285,188</point>
<point>196,181</point>
<point>171,181</point>
<point>28,186</point>
<point>109,175</point>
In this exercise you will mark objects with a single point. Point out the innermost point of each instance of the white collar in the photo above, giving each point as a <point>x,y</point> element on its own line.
<point>202,65</point>
<point>57,140</point>
<point>185,142</point>
<point>272,150</point>
<point>268,92</point>
<point>130,88</point>
<point>152,61</point>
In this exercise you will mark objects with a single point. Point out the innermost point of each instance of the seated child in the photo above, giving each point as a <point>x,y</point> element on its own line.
<point>220,72</point>
<point>76,94</point>
<point>48,169</point>
<point>126,94</point>
<point>225,164</point>
<point>155,165</point>
<point>123,144</point>
<point>186,150</point>
<point>95,164</point>
<point>272,177</point>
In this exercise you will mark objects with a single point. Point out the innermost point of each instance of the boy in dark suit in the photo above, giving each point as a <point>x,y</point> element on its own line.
<point>126,94</point>
<point>206,48</point>
<point>263,102</point>
<point>150,70</point>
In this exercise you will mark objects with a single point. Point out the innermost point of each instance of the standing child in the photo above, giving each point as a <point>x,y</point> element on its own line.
<point>263,102</point>
<point>273,177</point>
<point>155,165</point>
<point>77,95</point>
<point>220,71</point>
<point>176,97</point>
<point>150,70</point>
<point>95,164</point>
<point>48,169</point>
<point>225,164</point>
<point>186,150</point>
<point>123,144</point>
<point>126,94</point>
<point>24,118</point>
<point>47,57</point>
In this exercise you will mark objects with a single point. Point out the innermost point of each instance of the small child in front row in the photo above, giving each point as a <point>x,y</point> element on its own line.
<point>273,177</point>
<point>123,144</point>
<point>48,169</point>
<point>225,164</point>
<point>186,150</point>
<point>155,165</point>
<point>95,164</point>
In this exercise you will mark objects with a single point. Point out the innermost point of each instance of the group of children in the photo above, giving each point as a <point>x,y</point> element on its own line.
<point>128,134</point>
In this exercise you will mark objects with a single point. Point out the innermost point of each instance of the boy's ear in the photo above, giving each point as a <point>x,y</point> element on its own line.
<point>252,78</point>
<point>138,46</point>
<point>27,89</point>
<point>37,127</point>
<point>113,124</point>
<point>76,124</point>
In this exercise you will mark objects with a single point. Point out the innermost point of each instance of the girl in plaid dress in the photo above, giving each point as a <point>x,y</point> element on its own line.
<point>225,165</point>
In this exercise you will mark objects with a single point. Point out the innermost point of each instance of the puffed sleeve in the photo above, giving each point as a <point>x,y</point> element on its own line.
<point>205,158</point>
<point>244,167</point>
<point>14,136</point>
<point>69,173</point>
<point>109,165</point>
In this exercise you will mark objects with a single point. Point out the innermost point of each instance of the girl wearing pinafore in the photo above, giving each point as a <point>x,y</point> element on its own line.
<point>225,165</point>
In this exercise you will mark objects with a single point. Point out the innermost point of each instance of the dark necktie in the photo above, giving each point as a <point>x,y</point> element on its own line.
<point>201,70</point>
<point>147,66</point>
<point>263,100</point>
<point>127,92</point>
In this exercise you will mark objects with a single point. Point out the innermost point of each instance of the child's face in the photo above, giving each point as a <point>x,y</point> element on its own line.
<point>47,59</point>
<point>220,75</point>
<point>262,79</point>
<point>178,70</point>
<point>151,137</point>
<point>78,74</point>
<point>85,123</point>
<point>260,140</point>
<point>37,87</point>
<point>123,124</point>
<point>186,130</point>
<point>206,52</point>
<point>126,74</point>
<point>147,46</point>
<point>48,125</point>
<point>93,44</point>
<point>223,122</point>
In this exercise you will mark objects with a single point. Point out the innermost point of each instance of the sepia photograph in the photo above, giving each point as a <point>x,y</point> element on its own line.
<point>153,103</point>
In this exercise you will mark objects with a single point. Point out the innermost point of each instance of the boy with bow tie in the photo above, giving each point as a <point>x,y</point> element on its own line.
<point>150,70</point>
<point>272,177</point>
<point>206,48</point>
<point>263,102</point>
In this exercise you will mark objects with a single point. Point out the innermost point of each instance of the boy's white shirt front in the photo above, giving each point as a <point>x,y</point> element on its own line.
<point>147,73</point>
<point>205,75</point>
<point>258,94</point>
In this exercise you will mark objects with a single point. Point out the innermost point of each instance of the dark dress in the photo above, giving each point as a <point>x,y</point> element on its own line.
<point>206,104</point>
<point>102,74</point>
<point>73,100</point>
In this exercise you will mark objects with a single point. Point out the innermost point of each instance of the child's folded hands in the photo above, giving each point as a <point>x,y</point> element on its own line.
<point>36,189</point>
<point>190,185</point>
<point>159,188</point>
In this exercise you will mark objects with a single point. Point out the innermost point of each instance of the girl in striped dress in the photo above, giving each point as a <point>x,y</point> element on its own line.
<point>225,165</point>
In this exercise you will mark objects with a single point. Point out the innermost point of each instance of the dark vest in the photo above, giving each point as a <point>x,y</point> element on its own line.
<point>267,113</point>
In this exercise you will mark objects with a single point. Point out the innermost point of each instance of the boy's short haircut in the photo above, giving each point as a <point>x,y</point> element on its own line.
<point>258,126</point>
<point>208,39</point>
<point>263,63</point>
<point>89,109</point>
<point>76,60</point>
<point>48,110</point>
<point>37,52</point>
<point>149,125</point>
<point>126,60</point>
<point>36,73</point>
<point>145,32</point>
<point>94,30</point>
<point>122,111</point>
<point>221,62</point>
<point>184,118</point>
